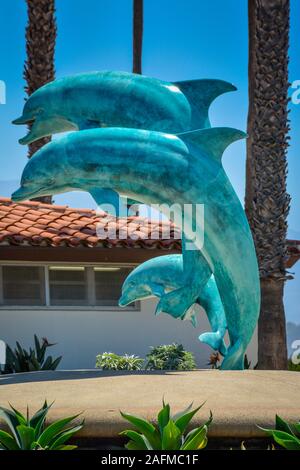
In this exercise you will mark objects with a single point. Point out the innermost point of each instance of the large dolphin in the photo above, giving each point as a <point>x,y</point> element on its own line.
<point>119,99</point>
<point>160,168</point>
<point>157,276</point>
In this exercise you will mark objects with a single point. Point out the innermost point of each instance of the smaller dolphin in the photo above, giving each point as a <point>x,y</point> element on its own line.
<point>119,99</point>
<point>157,276</point>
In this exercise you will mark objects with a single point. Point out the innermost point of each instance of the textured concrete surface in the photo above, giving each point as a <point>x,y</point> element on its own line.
<point>238,400</point>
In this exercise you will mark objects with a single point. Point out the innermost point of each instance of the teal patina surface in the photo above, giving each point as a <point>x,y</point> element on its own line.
<point>158,276</point>
<point>162,168</point>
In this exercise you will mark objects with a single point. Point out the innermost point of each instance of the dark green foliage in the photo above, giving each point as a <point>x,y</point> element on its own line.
<point>169,433</point>
<point>31,433</point>
<point>21,360</point>
<point>170,357</point>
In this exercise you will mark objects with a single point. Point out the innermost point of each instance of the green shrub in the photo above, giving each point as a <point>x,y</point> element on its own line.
<point>20,360</point>
<point>293,367</point>
<point>32,434</point>
<point>284,434</point>
<point>170,357</point>
<point>170,432</point>
<point>111,361</point>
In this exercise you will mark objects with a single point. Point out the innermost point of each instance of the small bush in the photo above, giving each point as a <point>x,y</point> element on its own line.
<point>30,433</point>
<point>170,357</point>
<point>168,434</point>
<point>21,360</point>
<point>112,361</point>
<point>293,367</point>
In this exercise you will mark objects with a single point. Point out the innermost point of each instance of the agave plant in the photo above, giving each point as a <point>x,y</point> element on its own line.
<point>31,433</point>
<point>21,360</point>
<point>170,432</point>
<point>284,434</point>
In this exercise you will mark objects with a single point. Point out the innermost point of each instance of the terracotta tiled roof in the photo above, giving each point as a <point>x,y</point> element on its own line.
<point>36,224</point>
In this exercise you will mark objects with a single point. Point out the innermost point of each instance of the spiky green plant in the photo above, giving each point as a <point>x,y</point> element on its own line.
<point>169,433</point>
<point>170,357</point>
<point>31,433</point>
<point>112,361</point>
<point>286,435</point>
<point>21,360</point>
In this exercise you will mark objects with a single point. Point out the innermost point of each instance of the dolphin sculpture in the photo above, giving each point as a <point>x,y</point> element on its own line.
<point>154,167</point>
<point>119,99</point>
<point>157,276</point>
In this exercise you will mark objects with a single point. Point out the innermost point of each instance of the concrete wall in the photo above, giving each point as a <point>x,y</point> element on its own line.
<point>82,334</point>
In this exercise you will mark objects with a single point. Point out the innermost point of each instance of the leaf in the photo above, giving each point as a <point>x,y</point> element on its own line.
<point>26,434</point>
<point>67,447</point>
<point>7,441</point>
<point>185,419</point>
<point>286,440</point>
<point>53,430</point>
<point>38,419</point>
<point>12,422</point>
<point>55,363</point>
<point>183,412</point>
<point>145,428</point>
<point>163,417</point>
<point>171,438</point>
<point>65,435</point>
<point>18,414</point>
<point>197,440</point>
<point>297,427</point>
<point>282,425</point>
<point>140,442</point>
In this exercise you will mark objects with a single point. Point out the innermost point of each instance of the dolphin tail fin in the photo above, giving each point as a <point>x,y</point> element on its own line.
<point>234,359</point>
<point>215,341</point>
<point>200,94</point>
<point>175,303</point>
<point>213,141</point>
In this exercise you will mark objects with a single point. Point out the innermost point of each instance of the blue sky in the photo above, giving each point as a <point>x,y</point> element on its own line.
<point>183,39</point>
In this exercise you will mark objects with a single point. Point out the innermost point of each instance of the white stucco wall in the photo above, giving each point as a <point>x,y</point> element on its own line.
<point>82,334</point>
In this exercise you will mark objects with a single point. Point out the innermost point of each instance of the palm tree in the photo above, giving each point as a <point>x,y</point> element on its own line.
<point>267,201</point>
<point>137,35</point>
<point>40,45</point>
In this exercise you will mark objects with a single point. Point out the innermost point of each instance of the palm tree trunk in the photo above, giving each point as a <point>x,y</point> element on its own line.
<point>40,46</point>
<point>267,201</point>
<point>137,35</point>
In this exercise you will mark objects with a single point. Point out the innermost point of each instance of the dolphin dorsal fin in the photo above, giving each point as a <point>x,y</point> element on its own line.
<point>200,94</point>
<point>212,141</point>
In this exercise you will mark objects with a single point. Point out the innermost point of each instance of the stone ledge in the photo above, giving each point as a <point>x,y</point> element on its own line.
<point>238,399</point>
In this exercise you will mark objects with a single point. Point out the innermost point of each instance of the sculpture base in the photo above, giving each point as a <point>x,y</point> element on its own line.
<point>239,400</point>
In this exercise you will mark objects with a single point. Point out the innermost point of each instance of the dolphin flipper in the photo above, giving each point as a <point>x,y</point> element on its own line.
<point>234,359</point>
<point>210,300</point>
<point>215,341</point>
<point>175,303</point>
<point>109,200</point>
<point>200,94</point>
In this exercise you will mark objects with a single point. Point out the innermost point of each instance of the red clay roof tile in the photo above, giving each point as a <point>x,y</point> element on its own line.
<point>37,224</point>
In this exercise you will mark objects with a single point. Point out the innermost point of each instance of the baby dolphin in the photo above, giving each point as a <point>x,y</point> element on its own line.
<point>157,276</point>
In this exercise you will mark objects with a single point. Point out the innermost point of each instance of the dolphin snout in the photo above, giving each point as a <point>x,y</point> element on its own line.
<point>123,301</point>
<point>22,120</point>
<point>18,195</point>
